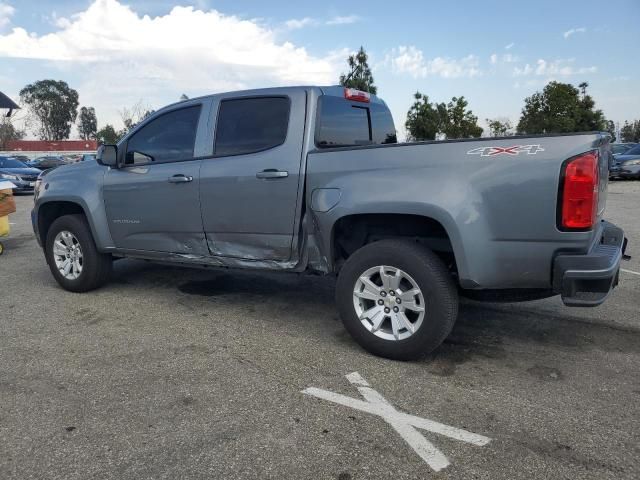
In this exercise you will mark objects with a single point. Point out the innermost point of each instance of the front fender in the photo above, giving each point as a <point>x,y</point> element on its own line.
<point>80,184</point>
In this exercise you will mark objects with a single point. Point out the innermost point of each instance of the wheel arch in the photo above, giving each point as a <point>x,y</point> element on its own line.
<point>50,211</point>
<point>438,232</point>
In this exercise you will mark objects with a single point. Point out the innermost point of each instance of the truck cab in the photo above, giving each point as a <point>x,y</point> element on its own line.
<point>240,158</point>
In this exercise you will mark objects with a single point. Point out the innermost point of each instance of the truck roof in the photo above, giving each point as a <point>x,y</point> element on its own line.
<point>331,90</point>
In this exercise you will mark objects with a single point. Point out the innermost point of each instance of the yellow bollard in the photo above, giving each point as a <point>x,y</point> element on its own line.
<point>4,226</point>
<point>7,206</point>
<point>4,230</point>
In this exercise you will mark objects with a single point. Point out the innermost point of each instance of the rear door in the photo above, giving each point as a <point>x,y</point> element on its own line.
<point>152,201</point>
<point>249,187</point>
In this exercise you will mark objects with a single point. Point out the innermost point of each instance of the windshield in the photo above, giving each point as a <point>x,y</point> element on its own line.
<point>634,151</point>
<point>11,163</point>
<point>620,148</point>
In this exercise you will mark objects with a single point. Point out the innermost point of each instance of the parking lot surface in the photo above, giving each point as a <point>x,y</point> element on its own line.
<point>177,373</point>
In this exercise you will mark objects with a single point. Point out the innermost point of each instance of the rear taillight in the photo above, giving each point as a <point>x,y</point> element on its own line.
<point>579,192</point>
<point>357,95</point>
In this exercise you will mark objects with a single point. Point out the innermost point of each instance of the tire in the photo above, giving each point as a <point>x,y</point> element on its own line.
<point>96,267</point>
<point>422,267</point>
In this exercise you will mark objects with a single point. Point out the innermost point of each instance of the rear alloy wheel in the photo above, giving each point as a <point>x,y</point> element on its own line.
<point>389,302</point>
<point>397,299</point>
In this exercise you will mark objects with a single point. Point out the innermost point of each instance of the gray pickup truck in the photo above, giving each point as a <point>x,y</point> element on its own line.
<point>312,179</point>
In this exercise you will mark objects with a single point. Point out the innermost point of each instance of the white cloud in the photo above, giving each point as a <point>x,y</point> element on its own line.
<point>494,59</point>
<point>560,68</point>
<point>410,60</point>
<point>510,46</point>
<point>56,21</point>
<point>114,57</point>
<point>340,20</point>
<point>297,23</point>
<point>6,12</point>
<point>524,71</point>
<point>573,31</point>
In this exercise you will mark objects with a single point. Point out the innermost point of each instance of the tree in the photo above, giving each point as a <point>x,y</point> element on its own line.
<point>426,120</point>
<point>359,75</point>
<point>54,106</point>
<point>88,123</point>
<point>630,132</point>
<point>583,88</point>
<point>460,122</point>
<point>499,128</point>
<point>134,115</point>
<point>561,108</point>
<point>589,118</point>
<point>8,132</point>
<point>611,129</point>
<point>107,135</point>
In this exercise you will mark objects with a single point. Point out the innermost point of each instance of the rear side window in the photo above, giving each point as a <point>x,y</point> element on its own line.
<point>168,138</point>
<point>250,125</point>
<point>382,127</point>
<point>345,124</point>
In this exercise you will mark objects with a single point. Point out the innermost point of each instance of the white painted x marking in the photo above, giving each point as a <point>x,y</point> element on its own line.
<point>406,425</point>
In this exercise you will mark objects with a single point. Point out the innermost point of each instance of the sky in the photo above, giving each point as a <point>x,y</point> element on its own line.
<point>118,53</point>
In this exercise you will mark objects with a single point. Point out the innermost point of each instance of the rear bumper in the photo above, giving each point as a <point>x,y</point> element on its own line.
<point>587,280</point>
<point>23,189</point>
<point>23,185</point>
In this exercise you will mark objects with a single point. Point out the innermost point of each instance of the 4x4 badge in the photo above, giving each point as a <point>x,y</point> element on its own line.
<point>514,150</point>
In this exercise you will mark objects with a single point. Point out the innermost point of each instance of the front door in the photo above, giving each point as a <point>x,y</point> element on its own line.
<point>249,189</point>
<point>152,201</point>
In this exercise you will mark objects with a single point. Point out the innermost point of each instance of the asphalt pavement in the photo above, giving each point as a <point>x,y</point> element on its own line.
<point>170,373</point>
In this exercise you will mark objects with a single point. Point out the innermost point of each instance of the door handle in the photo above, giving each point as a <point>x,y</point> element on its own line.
<point>272,173</point>
<point>180,178</point>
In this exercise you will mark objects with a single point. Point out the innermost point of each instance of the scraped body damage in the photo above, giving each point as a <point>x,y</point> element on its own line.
<point>306,255</point>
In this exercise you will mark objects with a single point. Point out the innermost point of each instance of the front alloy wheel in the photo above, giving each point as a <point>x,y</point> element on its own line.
<point>67,255</point>
<point>72,256</point>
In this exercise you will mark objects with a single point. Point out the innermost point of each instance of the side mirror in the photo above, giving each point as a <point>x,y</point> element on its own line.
<point>107,155</point>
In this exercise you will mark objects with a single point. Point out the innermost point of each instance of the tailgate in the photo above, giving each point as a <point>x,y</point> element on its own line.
<point>606,160</point>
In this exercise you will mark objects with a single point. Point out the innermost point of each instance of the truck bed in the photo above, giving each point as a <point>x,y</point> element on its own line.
<point>496,198</point>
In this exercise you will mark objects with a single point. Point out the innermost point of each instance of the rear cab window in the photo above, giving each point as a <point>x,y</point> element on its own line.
<point>251,125</point>
<point>344,123</point>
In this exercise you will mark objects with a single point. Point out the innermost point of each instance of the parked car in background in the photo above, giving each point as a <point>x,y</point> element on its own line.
<point>87,157</point>
<point>22,158</point>
<point>47,162</point>
<point>72,158</point>
<point>626,165</point>
<point>621,148</point>
<point>18,173</point>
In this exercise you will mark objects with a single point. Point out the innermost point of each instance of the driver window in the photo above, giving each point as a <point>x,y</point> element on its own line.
<point>167,138</point>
